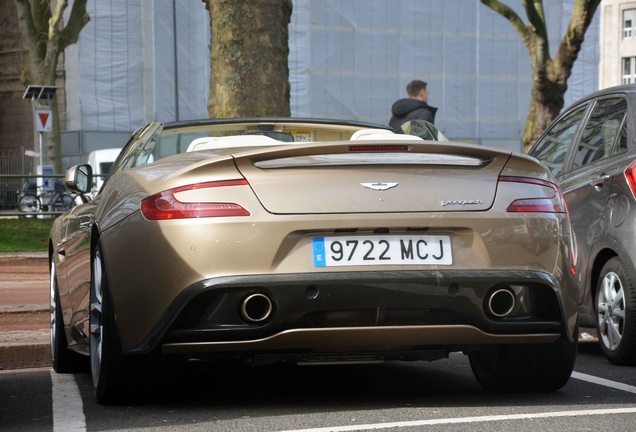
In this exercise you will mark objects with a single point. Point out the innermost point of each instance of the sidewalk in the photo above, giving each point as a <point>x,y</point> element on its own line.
<point>24,310</point>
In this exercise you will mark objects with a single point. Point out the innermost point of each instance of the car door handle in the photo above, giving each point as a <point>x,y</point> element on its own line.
<point>600,181</point>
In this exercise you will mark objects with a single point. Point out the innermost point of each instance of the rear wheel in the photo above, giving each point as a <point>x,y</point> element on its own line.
<point>64,360</point>
<point>521,368</point>
<point>616,313</point>
<point>29,203</point>
<point>116,378</point>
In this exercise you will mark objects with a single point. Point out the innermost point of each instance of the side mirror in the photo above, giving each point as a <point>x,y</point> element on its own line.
<point>79,179</point>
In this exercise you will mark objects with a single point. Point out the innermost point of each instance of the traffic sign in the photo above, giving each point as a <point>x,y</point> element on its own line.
<point>45,183</point>
<point>32,153</point>
<point>43,121</point>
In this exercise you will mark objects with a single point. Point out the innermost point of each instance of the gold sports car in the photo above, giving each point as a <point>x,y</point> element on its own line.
<point>313,242</point>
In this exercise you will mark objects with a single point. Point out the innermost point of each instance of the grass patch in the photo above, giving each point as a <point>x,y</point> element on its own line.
<point>24,235</point>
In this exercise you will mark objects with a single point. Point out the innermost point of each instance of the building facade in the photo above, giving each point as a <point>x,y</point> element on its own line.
<point>618,43</point>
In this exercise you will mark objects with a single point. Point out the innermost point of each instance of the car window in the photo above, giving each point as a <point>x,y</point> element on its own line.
<point>621,145</point>
<point>140,151</point>
<point>600,132</point>
<point>553,148</point>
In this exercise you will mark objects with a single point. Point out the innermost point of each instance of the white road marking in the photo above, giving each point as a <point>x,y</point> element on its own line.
<point>468,420</point>
<point>68,411</point>
<point>604,382</point>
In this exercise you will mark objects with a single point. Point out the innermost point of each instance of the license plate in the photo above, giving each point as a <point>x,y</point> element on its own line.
<point>302,136</point>
<point>382,250</point>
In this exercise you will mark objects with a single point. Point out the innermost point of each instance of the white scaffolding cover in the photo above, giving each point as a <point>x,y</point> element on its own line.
<point>348,60</point>
<point>353,59</point>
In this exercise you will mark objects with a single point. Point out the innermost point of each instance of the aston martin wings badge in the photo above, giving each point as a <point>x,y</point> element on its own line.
<point>379,186</point>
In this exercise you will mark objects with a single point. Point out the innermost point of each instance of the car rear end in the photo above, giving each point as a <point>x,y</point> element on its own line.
<point>344,252</point>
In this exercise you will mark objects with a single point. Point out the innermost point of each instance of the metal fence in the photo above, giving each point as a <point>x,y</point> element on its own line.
<point>22,196</point>
<point>12,162</point>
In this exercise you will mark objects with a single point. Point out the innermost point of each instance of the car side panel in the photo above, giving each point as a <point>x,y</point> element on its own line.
<point>78,270</point>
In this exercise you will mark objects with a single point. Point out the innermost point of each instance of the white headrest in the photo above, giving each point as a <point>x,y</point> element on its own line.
<point>381,135</point>
<point>208,143</point>
<point>363,133</point>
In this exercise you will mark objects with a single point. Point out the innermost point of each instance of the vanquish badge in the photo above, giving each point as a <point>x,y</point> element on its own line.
<point>379,186</point>
<point>461,202</point>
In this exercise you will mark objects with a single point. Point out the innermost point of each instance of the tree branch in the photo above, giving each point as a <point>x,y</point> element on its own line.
<point>76,22</point>
<point>41,12</point>
<point>536,16</point>
<point>28,30</point>
<point>52,44</point>
<point>582,14</point>
<point>511,16</point>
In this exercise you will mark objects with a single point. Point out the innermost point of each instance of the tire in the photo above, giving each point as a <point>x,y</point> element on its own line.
<point>523,368</point>
<point>615,307</point>
<point>63,360</point>
<point>29,203</point>
<point>115,377</point>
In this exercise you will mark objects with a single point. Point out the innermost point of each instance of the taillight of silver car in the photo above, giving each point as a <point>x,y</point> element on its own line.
<point>164,205</point>
<point>630,176</point>
<point>553,204</point>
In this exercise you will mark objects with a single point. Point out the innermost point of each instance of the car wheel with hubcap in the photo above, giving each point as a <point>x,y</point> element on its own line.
<point>521,368</point>
<point>109,376</point>
<point>615,313</point>
<point>116,378</point>
<point>63,360</point>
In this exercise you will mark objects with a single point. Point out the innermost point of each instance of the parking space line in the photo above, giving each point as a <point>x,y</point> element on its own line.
<point>68,411</point>
<point>468,420</point>
<point>604,382</point>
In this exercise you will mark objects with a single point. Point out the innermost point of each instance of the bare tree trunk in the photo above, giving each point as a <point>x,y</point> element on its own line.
<point>41,29</point>
<point>249,52</point>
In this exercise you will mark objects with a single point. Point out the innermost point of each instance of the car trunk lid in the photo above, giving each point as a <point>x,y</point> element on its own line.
<point>374,178</point>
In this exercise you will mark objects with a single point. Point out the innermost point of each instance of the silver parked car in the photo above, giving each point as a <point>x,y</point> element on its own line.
<point>590,149</point>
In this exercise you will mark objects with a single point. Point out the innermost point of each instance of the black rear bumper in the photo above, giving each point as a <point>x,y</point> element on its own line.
<point>206,316</point>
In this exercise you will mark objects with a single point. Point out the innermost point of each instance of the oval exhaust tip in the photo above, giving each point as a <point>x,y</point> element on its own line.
<point>256,307</point>
<point>501,303</point>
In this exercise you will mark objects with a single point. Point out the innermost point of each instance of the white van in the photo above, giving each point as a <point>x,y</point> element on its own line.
<point>101,161</point>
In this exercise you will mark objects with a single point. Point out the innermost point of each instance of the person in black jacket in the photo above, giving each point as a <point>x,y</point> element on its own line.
<point>415,107</point>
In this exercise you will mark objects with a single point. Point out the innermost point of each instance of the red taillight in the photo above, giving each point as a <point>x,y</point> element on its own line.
<point>164,205</point>
<point>385,148</point>
<point>630,175</point>
<point>553,204</point>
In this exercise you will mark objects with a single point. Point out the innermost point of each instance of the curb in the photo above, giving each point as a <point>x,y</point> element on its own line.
<point>29,308</point>
<point>25,349</point>
<point>25,356</point>
<point>40,254</point>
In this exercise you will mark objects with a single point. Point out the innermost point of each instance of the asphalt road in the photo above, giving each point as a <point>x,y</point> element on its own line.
<point>440,396</point>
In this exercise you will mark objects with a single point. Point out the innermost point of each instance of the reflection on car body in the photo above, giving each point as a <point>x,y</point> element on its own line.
<point>209,241</point>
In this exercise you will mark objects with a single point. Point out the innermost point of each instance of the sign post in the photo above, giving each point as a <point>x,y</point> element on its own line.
<point>42,114</point>
<point>43,123</point>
